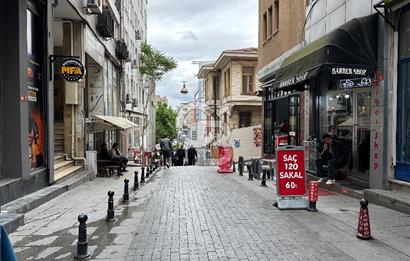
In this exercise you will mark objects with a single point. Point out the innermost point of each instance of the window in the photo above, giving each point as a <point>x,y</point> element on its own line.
<point>265,26</point>
<point>227,81</point>
<point>276,15</point>
<point>248,79</point>
<point>270,22</point>
<point>245,119</point>
<point>215,84</point>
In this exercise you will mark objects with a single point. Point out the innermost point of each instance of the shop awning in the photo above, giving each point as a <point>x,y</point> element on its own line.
<point>350,50</point>
<point>100,122</point>
<point>396,4</point>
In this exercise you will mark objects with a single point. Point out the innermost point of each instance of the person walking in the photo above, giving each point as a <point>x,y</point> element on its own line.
<point>333,156</point>
<point>192,156</point>
<point>180,156</point>
<point>165,145</point>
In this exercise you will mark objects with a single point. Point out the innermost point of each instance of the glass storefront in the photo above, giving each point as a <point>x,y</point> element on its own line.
<point>345,114</point>
<point>36,86</point>
<point>402,171</point>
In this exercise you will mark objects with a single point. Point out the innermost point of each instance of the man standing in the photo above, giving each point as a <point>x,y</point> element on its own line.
<point>333,156</point>
<point>165,145</point>
<point>192,155</point>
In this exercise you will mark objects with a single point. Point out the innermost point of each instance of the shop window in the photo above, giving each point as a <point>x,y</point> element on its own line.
<point>36,86</point>
<point>248,80</point>
<point>245,119</point>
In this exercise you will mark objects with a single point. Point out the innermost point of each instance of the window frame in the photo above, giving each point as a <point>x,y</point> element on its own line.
<point>275,17</point>
<point>227,82</point>
<point>247,75</point>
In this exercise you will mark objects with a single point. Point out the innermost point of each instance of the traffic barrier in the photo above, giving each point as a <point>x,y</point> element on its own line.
<point>233,166</point>
<point>126,195</point>
<point>110,211</point>
<point>82,243</point>
<point>148,171</point>
<point>142,175</point>
<point>363,226</point>
<point>313,196</point>
<point>136,185</point>
<point>263,182</point>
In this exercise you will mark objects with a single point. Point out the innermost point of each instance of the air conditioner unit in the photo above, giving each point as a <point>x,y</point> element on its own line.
<point>137,35</point>
<point>134,102</point>
<point>92,6</point>
<point>127,99</point>
<point>135,64</point>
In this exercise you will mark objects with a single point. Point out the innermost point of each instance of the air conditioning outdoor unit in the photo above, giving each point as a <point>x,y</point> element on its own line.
<point>92,6</point>
<point>134,102</point>
<point>137,35</point>
<point>134,64</point>
<point>127,99</point>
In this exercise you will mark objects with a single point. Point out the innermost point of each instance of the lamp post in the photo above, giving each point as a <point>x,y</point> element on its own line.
<point>184,89</point>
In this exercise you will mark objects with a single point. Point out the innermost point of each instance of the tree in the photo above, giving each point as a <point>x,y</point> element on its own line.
<point>165,122</point>
<point>153,66</point>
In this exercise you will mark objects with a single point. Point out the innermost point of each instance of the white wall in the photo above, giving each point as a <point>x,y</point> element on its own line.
<point>327,15</point>
<point>247,147</point>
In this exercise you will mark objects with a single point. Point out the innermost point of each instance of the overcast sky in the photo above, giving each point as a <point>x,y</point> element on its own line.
<point>198,30</point>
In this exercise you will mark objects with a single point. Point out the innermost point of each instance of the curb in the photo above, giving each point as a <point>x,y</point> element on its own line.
<point>12,213</point>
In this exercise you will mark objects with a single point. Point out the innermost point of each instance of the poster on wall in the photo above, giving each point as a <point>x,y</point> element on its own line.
<point>237,143</point>
<point>36,119</point>
<point>257,137</point>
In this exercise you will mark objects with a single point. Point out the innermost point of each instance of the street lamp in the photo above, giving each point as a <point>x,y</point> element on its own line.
<point>184,89</point>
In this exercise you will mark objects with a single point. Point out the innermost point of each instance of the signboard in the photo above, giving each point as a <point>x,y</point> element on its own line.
<point>72,70</point>
<point>290,166</point>
<point>225,159</point>
<point>281,140</point>
<point>237,143</point>
<point>257,137</point>
<point>355,83</point>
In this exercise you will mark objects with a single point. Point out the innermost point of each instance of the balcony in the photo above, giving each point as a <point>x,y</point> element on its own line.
<point>105,23</point>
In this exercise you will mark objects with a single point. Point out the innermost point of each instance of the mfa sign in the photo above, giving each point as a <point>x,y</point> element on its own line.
<point>72,70</point>
<point>291,179</point>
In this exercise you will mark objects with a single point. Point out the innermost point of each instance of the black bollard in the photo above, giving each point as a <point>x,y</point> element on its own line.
<point>110,211</point>
<point>249,167</point>
<point>82,244</point>
<point>263,182</point>
<point>126,195</point>
<point>241,164</point>
<point>233,166</point>
<point>136,185</point>
<point>142,174</point>
<point>148,172</point>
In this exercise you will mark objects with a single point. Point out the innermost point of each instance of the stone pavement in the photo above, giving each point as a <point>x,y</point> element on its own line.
<point>197,214</point>
<point>51,230</point>
<point>193,213</point>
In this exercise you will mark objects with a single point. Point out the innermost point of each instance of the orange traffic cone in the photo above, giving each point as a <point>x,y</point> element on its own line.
<point>363,227</point>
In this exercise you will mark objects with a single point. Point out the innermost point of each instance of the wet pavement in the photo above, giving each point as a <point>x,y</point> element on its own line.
<point>193,213</point>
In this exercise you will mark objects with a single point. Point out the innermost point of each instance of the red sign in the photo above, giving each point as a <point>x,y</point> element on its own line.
<point>291,180</point>
<point>281,140</point>
<point>225,159</point>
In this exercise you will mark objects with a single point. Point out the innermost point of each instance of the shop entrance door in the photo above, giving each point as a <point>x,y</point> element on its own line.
<point>361,134</point>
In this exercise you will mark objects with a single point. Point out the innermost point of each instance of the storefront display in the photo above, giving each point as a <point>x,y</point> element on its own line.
<point>35,90</point>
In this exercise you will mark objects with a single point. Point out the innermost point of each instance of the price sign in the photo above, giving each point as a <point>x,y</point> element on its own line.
<point>290,166</point>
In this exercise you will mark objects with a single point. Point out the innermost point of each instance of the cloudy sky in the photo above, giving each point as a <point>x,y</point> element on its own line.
<point>198,30</point>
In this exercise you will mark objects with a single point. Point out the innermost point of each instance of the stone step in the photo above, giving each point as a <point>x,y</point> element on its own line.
<point>59,166</point>
<point>397,200</point>
<point>59,158</point>
<point>64,174</point>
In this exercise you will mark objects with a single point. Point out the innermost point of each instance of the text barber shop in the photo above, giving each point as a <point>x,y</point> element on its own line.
<point>326,88</point>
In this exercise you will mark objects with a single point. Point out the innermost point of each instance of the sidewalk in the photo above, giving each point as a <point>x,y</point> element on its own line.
<point>339,213</point>
<point>54,236</point>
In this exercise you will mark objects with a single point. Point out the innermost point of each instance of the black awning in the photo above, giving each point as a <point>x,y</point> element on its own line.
<point>350,50</point>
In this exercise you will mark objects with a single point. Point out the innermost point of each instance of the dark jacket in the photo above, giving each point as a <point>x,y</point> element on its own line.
<point>105,155</point>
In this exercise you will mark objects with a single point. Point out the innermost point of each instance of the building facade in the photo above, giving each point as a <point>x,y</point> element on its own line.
<point>344,77</point>
<point>230,87</point>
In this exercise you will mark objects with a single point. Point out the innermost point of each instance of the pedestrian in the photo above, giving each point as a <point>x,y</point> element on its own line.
<point>165,145</point>
<point>334,156</point>
<point>118,158</point>
<point>180,156</point>
<point>192,156</point>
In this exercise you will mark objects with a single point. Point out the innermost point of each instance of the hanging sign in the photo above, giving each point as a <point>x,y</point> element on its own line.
<point>291,179</point>
<point>72,70</point>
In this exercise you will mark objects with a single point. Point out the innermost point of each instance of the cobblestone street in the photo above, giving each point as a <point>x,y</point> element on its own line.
<point>197,214</point>
<point>194,213</point>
